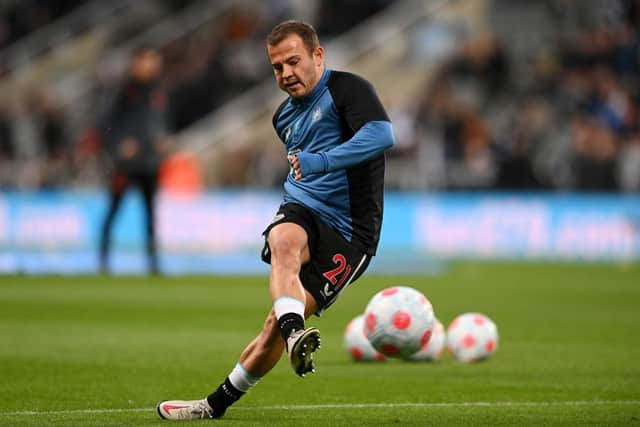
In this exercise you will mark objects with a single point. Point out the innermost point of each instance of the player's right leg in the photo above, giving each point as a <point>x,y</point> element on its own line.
<point>289,250</point>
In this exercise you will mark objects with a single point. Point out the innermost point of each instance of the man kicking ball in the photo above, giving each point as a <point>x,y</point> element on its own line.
<point>324,234</point>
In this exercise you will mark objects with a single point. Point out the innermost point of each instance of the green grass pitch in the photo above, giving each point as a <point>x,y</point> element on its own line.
<point>101,351</point>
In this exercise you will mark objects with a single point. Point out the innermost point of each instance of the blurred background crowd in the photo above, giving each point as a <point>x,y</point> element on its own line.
<point>542,95</point>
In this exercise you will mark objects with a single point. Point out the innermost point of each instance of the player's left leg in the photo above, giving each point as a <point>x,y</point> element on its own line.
<point>118,186</point>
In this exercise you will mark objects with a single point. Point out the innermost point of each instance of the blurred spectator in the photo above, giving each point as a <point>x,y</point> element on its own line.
<point>404,163</point>
<point>466,138</point>
<point>7,149</point>
<point>517,146</point>
<point>482,60</point>
<point>135,134</point>
<point>629,164</point>
<point>611,103</point>
<point>40,138</point>
<point>28,140</point>
<point>595,150</point>
<point>55,139</point>
<point>475,168</point>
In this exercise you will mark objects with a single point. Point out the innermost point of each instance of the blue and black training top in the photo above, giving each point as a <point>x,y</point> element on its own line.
<point>339,132</point>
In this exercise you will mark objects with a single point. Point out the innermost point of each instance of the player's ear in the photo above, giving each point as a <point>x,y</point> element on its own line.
<point>318,56</point>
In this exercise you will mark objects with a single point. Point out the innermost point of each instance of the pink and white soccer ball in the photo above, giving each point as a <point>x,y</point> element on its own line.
<point>398,321</point>
<point>472,337</point>
<point>357,344</point>
<point>432,350</point>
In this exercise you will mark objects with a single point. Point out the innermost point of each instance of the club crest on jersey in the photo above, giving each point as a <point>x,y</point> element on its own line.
<point>316,115</point>
<point>289,154</point>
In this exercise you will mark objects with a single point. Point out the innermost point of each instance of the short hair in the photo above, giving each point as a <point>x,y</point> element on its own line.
<point>306,32</point>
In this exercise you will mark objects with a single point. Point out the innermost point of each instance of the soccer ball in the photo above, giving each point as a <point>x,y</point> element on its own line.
<point>357,344</point>
<point>398,321</point>
<point>432,350</point>
<point>472,337</point>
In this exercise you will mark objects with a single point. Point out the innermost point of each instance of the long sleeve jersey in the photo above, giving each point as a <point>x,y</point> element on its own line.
<point>340,132</point>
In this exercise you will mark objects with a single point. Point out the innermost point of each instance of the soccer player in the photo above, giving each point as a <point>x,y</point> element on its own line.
<point>327,229</point>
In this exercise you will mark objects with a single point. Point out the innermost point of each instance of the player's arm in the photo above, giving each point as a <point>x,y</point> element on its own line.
<point>370,141</point>
<point>363,112</point>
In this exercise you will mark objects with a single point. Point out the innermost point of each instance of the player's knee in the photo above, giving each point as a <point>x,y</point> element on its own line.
<point>284,253</point>
<point>287,242</point>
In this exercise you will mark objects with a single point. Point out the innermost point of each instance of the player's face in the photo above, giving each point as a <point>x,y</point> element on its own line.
<point>296,69</point>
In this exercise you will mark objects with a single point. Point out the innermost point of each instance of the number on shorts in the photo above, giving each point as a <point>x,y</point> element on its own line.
<point>342,268</point>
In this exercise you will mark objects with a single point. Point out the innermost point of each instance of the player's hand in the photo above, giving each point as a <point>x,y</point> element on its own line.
<point>295,166</point>
<point>305,164</point>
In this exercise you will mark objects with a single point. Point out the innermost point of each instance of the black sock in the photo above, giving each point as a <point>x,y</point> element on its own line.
<point>225,396</point>
<point>289,322</point>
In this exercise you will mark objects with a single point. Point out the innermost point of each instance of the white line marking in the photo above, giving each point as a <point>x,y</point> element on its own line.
<point>349,406</point>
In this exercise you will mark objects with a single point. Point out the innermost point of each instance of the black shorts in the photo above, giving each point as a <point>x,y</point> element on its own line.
<point>335,263</point>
